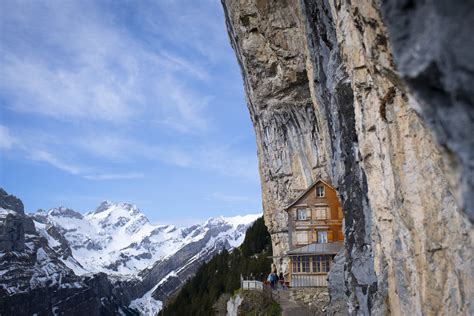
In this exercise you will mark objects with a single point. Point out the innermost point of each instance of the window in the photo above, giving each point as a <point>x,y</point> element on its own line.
<point>320,191</point>
<point>295,264</point>
<point>325,264</point>
<point>322,237</point>
<point>301,264</point>
<point>321,213</point>
<point>316,262</point>
<point>301,214</point>
<point>320,264</point>
<point>305,264</point>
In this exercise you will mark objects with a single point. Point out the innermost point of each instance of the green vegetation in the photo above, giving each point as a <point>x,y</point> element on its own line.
<point>222,274</point>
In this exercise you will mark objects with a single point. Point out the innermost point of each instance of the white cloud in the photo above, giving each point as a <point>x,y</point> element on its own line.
<point>6,138</point>
<point>182,64</point>
<point>224,160</point>
<point>90,68</point>
<point>183,108</point>
<point>34,148</point>
<point>49,158</point>
<point>35,88</point>
<point>196,28</point>
<point>115,176</point>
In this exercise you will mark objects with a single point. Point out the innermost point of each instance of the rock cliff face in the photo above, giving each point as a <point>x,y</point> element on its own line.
<point>329,100</point>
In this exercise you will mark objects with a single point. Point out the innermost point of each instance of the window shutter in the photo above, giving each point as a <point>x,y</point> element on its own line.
<point>340,234</point>
<point>330,236</point>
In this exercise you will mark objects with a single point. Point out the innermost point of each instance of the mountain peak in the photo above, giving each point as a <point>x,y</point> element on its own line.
<point>65,212</point>
<point>108,205</point>
<point>103,206</point>
<point>234,221</point>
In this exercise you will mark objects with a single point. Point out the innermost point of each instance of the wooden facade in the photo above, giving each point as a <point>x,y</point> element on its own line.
<point>315,234</point>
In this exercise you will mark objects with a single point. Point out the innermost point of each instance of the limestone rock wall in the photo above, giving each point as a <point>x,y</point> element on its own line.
<point>327,101</point>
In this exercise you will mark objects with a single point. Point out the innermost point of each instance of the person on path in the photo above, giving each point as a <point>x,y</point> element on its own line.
<point>282,281</point>
<point>274,280</point>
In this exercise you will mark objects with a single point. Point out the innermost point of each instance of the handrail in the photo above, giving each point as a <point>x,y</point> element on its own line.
<point>264,286</point>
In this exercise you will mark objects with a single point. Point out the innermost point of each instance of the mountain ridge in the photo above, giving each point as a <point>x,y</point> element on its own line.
<point>114,247</point>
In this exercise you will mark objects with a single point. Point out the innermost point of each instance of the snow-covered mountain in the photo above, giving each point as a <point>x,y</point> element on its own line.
<point>112,257</point>
<point>119,240</point>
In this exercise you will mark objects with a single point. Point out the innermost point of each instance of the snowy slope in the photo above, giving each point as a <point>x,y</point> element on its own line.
<point>119,240</point>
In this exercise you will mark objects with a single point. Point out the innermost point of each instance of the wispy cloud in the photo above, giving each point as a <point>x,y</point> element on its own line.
<point>42,152</point>
<point>51,159</point>
<point>115,176</point>
<point>63,94</point>
<point>6,138</point>
<point>89,68</point>
<point>225,160</point>
<point>183,108</point>
<point>199,29</point>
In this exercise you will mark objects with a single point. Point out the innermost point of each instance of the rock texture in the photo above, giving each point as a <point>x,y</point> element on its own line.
<point>316,299</point>
<point>328,101</point>
<point>433,53</point>
<point>12,223</point>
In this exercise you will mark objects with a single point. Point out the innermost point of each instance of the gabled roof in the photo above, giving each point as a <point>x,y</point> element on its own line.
<point>317,249</point>
<point>306,191</point>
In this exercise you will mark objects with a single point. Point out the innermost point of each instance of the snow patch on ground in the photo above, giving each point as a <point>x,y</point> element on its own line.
<point>147,305</point>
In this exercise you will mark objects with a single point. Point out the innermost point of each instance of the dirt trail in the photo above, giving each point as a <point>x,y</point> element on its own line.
<point>291,308</point>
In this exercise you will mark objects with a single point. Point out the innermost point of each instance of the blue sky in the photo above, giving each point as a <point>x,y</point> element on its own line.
<point>135,101</point>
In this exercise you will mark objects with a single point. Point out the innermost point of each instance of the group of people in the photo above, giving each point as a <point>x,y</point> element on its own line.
<point>276,281</point>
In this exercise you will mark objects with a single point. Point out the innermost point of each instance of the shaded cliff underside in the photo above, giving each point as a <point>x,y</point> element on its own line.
<point>387,117</point>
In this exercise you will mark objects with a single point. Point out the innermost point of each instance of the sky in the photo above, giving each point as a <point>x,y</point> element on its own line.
<point>128,101</point>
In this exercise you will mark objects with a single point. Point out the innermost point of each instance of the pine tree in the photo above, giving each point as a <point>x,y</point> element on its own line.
<point>222,273</point>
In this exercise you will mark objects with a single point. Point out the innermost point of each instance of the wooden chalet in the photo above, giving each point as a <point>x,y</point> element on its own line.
<point>315,234</point>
